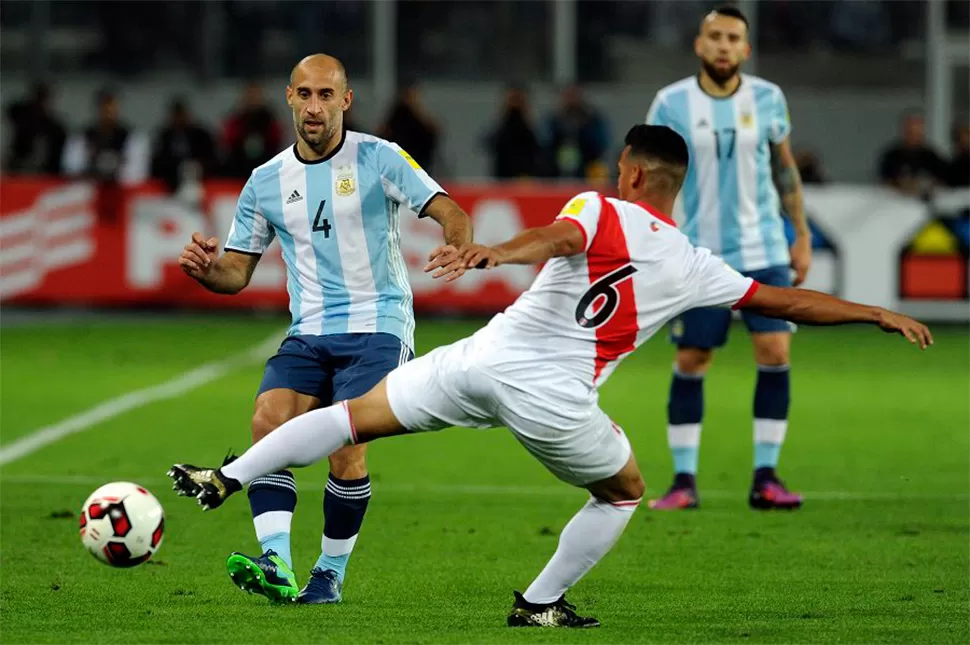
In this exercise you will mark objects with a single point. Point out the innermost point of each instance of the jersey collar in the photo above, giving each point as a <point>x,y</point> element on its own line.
<point>697,79</point>
<point>333,153</point>
<point>666,219</point>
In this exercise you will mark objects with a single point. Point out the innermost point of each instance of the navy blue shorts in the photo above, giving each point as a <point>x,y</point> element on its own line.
<point>707,327</point>
<point>336,367</point>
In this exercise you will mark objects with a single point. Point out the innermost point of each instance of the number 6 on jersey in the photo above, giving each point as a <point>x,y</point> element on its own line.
<point>605,287</point>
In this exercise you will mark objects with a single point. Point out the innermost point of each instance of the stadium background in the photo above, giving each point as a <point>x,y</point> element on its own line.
<point>95,311</point>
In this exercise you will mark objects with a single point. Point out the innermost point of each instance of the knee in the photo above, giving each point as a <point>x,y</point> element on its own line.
<point>266,419</point>
<point>693,361</point>
<point>621,489</point>
<point>349,462</point>
<point>634,488</point>
<point>771,354</point>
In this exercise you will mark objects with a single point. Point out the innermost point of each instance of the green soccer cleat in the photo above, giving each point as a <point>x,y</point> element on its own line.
<point>267,575</point>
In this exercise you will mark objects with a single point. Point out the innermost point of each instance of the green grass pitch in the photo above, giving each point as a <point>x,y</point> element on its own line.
<point>878,442</point>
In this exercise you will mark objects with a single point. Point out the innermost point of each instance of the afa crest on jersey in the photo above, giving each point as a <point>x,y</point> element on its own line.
<point>345,184</point>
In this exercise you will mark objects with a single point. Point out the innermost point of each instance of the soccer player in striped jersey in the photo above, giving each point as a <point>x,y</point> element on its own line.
<point>334,201</point>
<point>742,174</point>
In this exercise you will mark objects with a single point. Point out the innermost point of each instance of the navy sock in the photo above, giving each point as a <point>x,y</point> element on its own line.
<point>272,499</point>
<point>344,506</point>
<point>772,397</point>
<point>685,409</point>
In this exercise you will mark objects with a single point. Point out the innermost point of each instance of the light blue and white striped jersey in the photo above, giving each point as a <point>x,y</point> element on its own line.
<point>729,201</point>
<point>338,223</point>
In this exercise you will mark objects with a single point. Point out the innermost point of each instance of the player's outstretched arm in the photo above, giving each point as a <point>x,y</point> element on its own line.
<point>537,245</point>
<point>228,274</point>
<point>808,307</point>
<point>531,246</point>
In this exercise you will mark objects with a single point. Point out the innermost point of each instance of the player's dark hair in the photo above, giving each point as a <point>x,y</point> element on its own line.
<point>663,152</point>
<point>659,143</point>
<point>730,11</point>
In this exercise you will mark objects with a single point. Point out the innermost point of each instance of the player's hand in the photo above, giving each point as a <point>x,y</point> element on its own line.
<point>446,263</point>
<point>198,256</point>
<point>915,332</point>
<point>478,256</point>
<point>801,257</point>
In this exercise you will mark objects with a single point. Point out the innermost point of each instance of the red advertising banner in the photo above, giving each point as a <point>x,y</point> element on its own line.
<point>73,243</point>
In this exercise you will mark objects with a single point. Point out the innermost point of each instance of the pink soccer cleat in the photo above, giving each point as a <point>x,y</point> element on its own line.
<point>675,499</point>
<point>771,494</point>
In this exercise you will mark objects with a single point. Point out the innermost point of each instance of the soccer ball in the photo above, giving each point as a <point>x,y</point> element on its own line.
<point>122,524</point>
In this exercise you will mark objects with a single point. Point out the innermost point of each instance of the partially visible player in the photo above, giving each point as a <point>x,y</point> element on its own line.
<point>737,127</point>
<point>615,273</point>
<point>335,201</point>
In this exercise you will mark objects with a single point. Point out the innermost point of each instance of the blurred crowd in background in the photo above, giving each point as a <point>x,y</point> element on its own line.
<point>570,141</point>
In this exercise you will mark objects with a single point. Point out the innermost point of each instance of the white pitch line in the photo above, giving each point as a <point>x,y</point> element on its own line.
<point>112,408</point>
<point>486,489</point>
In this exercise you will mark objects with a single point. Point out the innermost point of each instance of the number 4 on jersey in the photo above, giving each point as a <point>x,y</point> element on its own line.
<point>605,287</point>
<point>322,224</point>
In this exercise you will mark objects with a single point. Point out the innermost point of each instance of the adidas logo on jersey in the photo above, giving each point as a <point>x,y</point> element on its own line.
<point>294,197</point>
<point>702,124</point>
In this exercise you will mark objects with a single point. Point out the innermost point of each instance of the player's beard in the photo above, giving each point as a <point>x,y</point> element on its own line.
<point>720,76</point>
<point>319,142</point>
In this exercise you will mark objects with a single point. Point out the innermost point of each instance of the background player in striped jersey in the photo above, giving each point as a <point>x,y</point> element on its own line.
<point>334,200</point>
<point>737,128</point>
<point>615,271</point>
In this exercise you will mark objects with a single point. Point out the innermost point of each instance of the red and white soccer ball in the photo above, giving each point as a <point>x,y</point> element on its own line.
<point>122,524</point>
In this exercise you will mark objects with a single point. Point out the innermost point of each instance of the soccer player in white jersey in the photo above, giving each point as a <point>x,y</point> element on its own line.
<point>334,201</point>
<point>616,270</point>
<point>737,128</point>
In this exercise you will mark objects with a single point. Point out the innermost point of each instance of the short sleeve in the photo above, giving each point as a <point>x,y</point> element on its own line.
<point>405,181</point>
<point>250,231</point>
<point>715,284</point>
<point>780,126</point>
<point>583,210</point>
<point>657,115</point>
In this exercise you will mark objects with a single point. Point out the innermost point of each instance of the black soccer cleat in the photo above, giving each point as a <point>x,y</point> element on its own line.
<point>556,614</point>
<point>207,485</point>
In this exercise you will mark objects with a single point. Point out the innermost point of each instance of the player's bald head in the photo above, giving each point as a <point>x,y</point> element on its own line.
<point>319,66</point>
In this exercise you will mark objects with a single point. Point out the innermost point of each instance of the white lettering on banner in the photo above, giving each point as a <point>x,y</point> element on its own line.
<point>270,273</point>
<point>494,222</point>
<point>56,232</point>
<point>158,229</point>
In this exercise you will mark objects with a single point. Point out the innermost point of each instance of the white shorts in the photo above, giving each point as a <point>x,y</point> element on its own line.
<point>458,385</point>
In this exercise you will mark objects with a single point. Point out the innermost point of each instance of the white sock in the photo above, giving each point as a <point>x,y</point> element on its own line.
<point>583,542</point>
<point>301,441</point>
